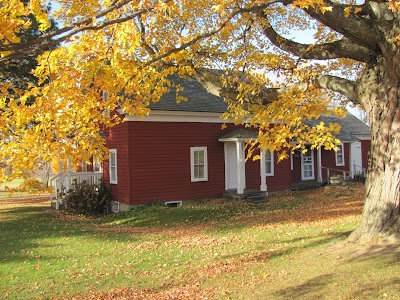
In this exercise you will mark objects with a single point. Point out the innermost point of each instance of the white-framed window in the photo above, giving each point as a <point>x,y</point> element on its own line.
<point>269,163</point>
<point>340,155</point>
<point>307,165</point>
<point>198,164</point>
<point>113,166</point>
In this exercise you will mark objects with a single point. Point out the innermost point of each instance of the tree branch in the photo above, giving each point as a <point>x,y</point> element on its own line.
<point>337,49</point>
<point>211,82</point>
<point>57,36</point>
<point>358,29</point>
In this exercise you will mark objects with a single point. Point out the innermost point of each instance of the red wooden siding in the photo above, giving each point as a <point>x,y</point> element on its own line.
<point>117,138</point>
<point>328,160</point>
<point>365,145</point>
<point>160,161</point>
<point>281,181</point>
<point>154,162</point>
<point>296,172</point>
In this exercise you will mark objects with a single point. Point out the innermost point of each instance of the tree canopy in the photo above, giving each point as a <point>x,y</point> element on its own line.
<point>266,72</point>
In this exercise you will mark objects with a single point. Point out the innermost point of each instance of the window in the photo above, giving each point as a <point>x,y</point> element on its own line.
<point>113,166</point>
<point>269,163</point>
<point>307,165</point>
<point>340,155</point>
<point>198,164</point>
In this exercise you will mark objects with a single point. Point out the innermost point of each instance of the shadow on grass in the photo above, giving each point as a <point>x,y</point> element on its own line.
<point>319,287</point>
<point>23,229</point>
<point>296,244</point>
<point>311,289</point>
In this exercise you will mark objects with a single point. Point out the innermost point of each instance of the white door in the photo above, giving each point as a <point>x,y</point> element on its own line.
<point>230,166</point>
<point>355,158</point>
<point>307,165</point>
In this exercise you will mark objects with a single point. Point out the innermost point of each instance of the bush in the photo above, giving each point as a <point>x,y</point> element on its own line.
<point>89,199</point>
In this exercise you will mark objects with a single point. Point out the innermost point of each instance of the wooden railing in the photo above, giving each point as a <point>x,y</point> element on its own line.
<point>62,183</point>
<point>332,171</point>
<point>357,171</point>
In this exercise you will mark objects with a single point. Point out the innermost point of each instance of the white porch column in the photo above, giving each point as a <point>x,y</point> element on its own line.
<point>263,186</point>
<point>60,167</point>
<point>58,185</point>
<point>240,167</point>
<point>319,167</point>
<point>69,179</point>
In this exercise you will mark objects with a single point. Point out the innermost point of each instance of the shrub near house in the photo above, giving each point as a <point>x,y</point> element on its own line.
<point>89,199</point>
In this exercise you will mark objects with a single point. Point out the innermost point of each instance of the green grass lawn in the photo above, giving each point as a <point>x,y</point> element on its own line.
<point>5,187</point>
<point>291,247</point>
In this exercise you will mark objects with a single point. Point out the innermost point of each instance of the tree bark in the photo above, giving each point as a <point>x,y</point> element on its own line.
<point>379,91</point>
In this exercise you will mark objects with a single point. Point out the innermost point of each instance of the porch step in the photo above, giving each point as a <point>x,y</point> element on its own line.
<point>252,196</point>
<point>257,198</point>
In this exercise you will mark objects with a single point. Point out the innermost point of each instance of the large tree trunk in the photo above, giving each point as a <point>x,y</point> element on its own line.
<point>378,90</point>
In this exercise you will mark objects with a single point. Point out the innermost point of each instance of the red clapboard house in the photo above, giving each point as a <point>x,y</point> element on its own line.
<point>180,152</point>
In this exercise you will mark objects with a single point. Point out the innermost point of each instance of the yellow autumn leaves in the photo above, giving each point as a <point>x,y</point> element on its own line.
<point>13,19</point>
<point>132,59</point>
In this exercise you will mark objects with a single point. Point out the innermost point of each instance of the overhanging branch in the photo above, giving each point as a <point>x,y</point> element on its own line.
<point>211,83</point>
<point>337,49</point>
<point>55,37</point>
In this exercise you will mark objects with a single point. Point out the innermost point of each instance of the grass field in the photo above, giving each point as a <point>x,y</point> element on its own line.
<point>291,247</point>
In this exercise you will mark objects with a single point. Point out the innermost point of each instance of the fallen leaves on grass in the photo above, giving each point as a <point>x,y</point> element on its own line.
<point>168,292</point>
<point>26,200</point>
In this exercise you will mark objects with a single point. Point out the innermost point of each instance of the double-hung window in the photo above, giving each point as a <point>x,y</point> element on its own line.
<point>269,163</point>
<point>113,166</point>
<point>340,155</point>
<point>198,164</point>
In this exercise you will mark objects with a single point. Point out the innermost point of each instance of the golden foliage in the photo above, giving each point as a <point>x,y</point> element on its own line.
<point>132,58</point>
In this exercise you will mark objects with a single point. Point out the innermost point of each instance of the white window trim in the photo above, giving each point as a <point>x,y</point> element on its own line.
<point>272,173</point>
<point>113,151</point>
<point>192,175</point>
<point>337,154</point>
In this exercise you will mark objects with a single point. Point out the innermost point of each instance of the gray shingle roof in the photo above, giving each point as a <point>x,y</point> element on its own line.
<point>199,100</point>
<point>351,127</point>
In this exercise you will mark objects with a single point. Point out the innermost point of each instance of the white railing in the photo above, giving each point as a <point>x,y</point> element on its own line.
<point>62,183</point>
<point>346,174</point>
<point>359,171</point>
